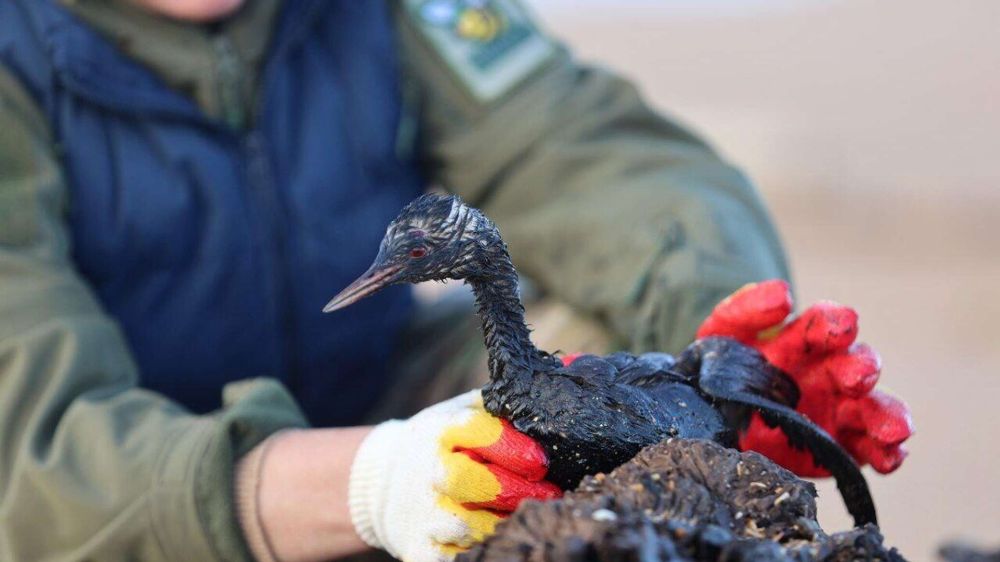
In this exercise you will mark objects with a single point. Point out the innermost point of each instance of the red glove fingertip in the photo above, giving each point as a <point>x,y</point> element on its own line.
<point>881,417</point>
<point>883,458</point>
<point>888,459</point>
<point>828,326</point>
<point>888,418</point>
<point>854,372</point>
<point>823,328</point>
<point>752,308</point>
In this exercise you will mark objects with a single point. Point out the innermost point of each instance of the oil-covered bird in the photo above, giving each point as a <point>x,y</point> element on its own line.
<point>597,412</point>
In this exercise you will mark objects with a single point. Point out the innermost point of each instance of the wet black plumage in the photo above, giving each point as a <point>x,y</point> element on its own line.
<point>598,412</point>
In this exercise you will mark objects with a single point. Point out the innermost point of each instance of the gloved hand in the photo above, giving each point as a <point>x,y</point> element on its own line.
<point>836,376</point>
<point>431,486</point>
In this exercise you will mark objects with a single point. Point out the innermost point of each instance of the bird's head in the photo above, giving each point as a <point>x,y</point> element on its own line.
<point>435,237</point>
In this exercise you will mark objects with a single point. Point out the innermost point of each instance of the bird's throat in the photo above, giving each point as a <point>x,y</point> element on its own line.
<point>508,343</point>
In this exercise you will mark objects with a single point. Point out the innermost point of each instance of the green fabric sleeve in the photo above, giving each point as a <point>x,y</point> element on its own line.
<point>604,203</point>
<point>91,466</point>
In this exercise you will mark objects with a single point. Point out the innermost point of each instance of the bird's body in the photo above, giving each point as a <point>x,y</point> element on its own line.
<point>597,412</point>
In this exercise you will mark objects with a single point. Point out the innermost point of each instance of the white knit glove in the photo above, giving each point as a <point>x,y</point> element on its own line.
<point>427,488</point>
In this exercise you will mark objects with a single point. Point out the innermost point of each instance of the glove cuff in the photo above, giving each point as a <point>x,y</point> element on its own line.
<point>369,479</point>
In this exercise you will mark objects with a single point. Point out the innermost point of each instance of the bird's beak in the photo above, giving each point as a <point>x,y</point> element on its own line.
<point>375,279</point>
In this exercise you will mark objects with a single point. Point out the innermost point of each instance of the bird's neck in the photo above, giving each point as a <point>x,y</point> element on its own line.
<point>508,343</point>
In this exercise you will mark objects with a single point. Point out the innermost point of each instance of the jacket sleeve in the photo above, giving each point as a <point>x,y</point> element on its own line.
<point>604,202</point>
<point>91,466</point>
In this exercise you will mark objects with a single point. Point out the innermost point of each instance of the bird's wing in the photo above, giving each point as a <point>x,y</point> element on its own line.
<point>740,368</point>
<point>588,371</point>
<point>803,434</point>
<point>647,370</point>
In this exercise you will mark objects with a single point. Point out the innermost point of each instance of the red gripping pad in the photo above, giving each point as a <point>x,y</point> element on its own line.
<point>514,489</point>
<point>519,464</point>
<point>516,452</point>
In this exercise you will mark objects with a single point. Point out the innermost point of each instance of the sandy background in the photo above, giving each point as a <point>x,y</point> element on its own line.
<point>873,130</point>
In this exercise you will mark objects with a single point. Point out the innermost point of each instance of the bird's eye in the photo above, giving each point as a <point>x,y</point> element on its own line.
<point>418,253</point>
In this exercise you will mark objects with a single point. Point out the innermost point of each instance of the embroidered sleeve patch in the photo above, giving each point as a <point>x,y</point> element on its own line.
<point>490,45</point>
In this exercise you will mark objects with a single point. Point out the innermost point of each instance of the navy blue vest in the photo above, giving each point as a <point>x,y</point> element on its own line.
<point>216,250</point>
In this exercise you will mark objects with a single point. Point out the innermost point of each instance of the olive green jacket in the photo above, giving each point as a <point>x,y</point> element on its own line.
<point>605,204</point>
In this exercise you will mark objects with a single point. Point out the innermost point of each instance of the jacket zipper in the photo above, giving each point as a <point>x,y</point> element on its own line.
<point>267,214</point>
<point>273,234</point>
<point>230,76</point>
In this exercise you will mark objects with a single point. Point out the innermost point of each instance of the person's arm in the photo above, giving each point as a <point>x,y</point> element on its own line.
<point>422,489</point>
<point>292,495</point>
<point>604,202</point>
<point>91,466</point>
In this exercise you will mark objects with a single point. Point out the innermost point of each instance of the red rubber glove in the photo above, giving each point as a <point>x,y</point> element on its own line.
<point>836,376</point>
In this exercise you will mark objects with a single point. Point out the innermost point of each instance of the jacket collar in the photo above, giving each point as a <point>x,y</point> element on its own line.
<point>88,64</point>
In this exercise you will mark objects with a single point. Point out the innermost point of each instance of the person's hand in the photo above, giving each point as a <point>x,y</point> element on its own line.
<point>429,487</point>
<point>836,376</point>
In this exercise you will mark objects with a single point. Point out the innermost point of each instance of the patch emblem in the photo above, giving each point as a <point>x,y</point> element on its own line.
<point>491,45</point>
